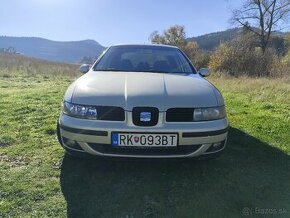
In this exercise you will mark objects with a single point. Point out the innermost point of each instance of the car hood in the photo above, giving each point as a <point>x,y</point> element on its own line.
<point>138,89</point>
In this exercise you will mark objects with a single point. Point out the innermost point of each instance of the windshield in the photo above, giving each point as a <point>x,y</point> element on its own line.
<point>144,59</point>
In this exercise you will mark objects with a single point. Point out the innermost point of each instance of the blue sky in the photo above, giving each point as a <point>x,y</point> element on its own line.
<point>112,21</point>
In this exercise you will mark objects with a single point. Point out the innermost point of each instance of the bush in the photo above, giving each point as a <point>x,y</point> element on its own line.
<point>282,66</point>
<point>198,58</point>
<point>190,49</point>
<point>242,56</point>
<point>201,59</point>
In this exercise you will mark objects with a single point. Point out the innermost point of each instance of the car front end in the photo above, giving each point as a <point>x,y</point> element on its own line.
<point>143,115</point>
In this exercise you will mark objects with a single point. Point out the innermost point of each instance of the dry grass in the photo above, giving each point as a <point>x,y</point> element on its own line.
<point>264,89</point>
<point>14,65</point>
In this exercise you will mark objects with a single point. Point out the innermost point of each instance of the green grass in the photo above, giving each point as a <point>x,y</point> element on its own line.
<point>39,180</point>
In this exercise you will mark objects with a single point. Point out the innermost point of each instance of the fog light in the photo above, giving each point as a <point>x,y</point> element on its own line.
<point>71,143</point>
<point>216,146</point>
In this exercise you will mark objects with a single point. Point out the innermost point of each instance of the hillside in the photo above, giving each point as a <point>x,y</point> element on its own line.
<point>12,65</point>
<point>87,50</point>
<point>69,52</point>
<point>210,41</point>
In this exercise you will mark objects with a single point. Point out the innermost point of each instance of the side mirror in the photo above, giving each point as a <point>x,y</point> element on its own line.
<point>204,72</point>
<point>84,68</point>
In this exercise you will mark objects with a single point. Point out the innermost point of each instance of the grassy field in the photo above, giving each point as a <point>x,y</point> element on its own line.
<point>39,180</point>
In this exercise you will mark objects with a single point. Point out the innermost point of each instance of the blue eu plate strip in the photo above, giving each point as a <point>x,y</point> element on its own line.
<point>115,139</point>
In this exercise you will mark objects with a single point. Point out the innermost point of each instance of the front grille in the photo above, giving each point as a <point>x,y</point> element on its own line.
<point>179,115</point>
<point>150,151</point>
<point>150,120</point>
<point>111,113</point>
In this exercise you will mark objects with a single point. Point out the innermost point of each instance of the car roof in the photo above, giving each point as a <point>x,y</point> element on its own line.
<point>143,45</point>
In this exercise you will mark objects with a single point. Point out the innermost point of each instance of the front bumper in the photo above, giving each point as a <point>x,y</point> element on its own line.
<point>94,137</point>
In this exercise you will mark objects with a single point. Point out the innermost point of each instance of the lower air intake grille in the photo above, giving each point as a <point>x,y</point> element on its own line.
<point>178,150</point>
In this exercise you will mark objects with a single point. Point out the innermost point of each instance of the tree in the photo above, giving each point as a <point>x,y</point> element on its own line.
<point>174,35</point>
<point>262,17</point>
<point>191,50</point>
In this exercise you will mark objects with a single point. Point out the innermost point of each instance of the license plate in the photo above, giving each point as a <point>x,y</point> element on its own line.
<point>144,139</point>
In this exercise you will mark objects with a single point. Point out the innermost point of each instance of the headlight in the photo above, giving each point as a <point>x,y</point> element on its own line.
<point>213,113</point>
<point>80,111</point>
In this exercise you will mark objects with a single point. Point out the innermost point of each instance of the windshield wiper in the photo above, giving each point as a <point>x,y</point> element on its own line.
<point>145,71</point>
<point>168,72</point>
<point>108,69</point>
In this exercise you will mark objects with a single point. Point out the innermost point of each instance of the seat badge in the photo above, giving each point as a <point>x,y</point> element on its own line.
<point>145,116</point>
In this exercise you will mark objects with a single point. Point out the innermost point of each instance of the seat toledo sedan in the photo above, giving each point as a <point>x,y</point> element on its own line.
<point>143,101</point>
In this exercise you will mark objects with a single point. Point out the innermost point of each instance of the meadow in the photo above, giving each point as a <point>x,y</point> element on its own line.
<point>37,179</point>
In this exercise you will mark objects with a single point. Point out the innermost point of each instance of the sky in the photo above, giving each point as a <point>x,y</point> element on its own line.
<point>112,22</point>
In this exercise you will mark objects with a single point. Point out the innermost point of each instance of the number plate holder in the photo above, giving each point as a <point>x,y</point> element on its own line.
<point>128,139</point>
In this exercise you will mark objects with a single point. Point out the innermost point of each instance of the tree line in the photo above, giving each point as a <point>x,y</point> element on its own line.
<point>256,51</point>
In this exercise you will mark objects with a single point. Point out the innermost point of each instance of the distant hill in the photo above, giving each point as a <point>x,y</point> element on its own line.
<point>210,41</point>
<point>68,52</point>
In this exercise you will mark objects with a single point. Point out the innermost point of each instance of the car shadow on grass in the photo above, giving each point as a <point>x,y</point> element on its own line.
<point>250,178</point>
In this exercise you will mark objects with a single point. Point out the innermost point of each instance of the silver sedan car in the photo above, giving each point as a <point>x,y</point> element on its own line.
<point>143,101</point>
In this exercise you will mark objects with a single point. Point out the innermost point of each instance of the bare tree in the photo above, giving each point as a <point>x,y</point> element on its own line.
<point>262,17</point>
